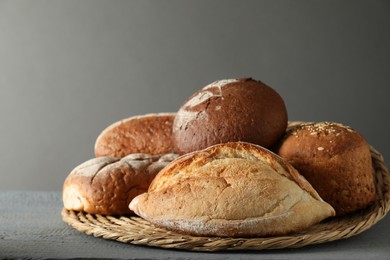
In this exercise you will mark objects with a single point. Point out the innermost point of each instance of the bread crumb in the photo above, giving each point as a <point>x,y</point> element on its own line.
<point>320,148</point>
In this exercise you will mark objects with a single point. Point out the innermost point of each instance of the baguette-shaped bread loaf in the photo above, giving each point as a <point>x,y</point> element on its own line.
<point>106,185</point>
<point>231,189</point>
<point>150,134</point>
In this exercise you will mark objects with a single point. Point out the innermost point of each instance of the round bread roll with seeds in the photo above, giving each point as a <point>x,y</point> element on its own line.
<point>336,160</point>
<point>228,111</point>
<point>106,185</point>
<point>150,134</point>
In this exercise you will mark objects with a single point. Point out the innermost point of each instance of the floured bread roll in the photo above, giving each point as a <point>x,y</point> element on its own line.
<point>150,134</point>
<point>230,110</point>
<point>231,189</point>
<point>106,185</point>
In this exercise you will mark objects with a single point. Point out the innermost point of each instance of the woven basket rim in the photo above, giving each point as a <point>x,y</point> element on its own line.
<point>135,230</point>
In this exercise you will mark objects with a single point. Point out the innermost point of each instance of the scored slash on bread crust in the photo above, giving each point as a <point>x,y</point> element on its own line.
<point>149,133</point>
<point>231,189</point>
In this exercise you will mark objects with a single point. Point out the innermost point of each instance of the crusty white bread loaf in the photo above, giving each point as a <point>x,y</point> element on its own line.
<point>228,111</point>
<point>106,185</point>
<point>336,160</point>
<point>232,189</point>
<point>150,134</point>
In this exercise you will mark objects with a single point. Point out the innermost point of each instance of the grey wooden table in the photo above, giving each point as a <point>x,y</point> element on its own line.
<point>31,228</point>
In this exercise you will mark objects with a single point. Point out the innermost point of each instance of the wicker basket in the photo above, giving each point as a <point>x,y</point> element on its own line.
<point>135,230</point>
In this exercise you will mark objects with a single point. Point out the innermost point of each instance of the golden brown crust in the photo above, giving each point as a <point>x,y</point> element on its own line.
<point>106,185</point>
<point>227,111</point>
<point>336,160</point>
<point>232,189</point>
<point>150,134</point>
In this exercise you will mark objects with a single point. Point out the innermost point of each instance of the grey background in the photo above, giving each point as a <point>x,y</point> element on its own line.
<point>68,69</point>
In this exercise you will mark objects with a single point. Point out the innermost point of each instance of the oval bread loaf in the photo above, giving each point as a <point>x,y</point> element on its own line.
<point>231,189</point>
<point>106,185</point>
<point>150,134</point>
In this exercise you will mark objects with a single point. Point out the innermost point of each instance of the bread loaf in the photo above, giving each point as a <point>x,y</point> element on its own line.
<point>150,134</point>
<point>231,189</point>
<point>106,185</point>
<point>227,111</point>
<point>336,160</point>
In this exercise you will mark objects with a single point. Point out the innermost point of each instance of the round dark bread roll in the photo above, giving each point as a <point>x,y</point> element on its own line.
<point>150,134</point>
<point>228,111</point>
<point>106,185</point>
<point>336,160</point>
